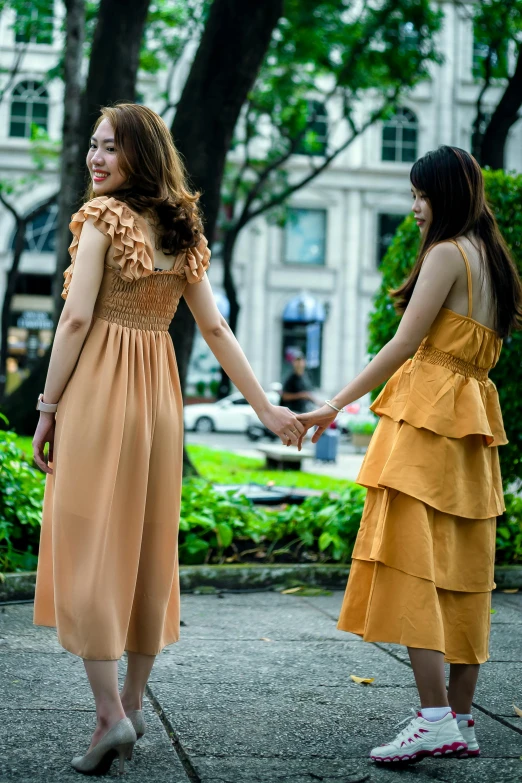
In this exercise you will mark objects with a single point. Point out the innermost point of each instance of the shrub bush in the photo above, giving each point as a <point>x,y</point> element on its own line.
<point>505,196</point>
<point>21,496</point>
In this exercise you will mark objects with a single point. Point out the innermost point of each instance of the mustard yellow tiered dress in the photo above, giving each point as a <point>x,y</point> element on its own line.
<point>107,569</point>
<point>423,563</point>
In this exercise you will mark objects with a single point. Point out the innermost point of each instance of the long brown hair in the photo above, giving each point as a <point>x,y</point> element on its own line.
<point>156,178</point>
<point>452,181</point>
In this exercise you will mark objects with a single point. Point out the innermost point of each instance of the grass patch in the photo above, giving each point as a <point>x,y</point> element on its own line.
<point>225,467</point>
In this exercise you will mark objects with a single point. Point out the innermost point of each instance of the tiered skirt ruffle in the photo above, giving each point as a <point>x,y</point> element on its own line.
<point>423,563</point>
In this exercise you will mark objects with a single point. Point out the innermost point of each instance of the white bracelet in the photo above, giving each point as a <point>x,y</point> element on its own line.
<point>339,410</point>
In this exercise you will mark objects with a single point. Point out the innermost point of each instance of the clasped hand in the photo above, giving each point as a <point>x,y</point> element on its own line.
<point>283,423</point>
<point>320,418</point>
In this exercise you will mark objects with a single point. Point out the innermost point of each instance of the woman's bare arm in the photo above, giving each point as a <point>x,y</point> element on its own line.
<point>228,352</point>
<point>440,270</point>
<point>71,330</point>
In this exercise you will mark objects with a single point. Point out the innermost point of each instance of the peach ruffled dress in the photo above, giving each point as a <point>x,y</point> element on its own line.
<point>423,563</point>
<point>107,570</point>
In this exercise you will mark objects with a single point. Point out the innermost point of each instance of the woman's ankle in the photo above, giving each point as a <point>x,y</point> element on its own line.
<point>131,702</point>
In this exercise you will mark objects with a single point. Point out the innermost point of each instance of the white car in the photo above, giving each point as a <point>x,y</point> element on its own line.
<point>231,414</point>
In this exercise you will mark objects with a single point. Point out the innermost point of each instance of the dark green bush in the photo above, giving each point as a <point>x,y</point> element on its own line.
<point>505,196</point>
<point>509,532</point>
<point>217,527</point>
<point>21,496</point>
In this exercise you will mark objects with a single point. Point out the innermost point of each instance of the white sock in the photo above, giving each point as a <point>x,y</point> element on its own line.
<point>464,716</point>
<point>435,713</point>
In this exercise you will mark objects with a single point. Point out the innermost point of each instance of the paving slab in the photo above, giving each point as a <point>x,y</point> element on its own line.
<point>256,615</point>
<point>258,689</point>
<point>218,770</point>
<point>225,663</point>
<point>38,744</point>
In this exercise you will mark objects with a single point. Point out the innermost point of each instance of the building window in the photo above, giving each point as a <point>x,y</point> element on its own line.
<point>399,137</point>
<point>34,22</point>
<point>305,236</point>
<point>499,58</point>
<point>387,227</point>
<point>316,135</point>
<point>29,106</point>
<point>40,235</point>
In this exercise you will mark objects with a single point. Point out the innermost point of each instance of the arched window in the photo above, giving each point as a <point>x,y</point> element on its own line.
<point>34,22</point>
<point>399,137</point>
<point>29,106</point>
<point>40,235</point>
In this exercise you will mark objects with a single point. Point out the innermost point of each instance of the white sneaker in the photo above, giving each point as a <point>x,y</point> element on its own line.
<point>422,738</point>
<point>467,729</point>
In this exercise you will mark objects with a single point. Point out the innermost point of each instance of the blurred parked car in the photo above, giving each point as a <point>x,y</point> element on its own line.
<point>231,414</point>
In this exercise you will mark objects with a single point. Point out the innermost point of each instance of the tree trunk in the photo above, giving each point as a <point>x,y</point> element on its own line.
<point>113,69</point>
<point>503,118</point>
<point>230,54</point>
<point>75,36</point>
<point>231,292</point>
<point>12,277</point>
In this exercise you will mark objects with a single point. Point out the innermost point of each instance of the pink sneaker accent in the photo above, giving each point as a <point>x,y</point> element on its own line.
<point>422,738</point>
<point>467,729</point>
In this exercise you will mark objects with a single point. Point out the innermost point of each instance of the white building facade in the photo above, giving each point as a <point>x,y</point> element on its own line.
<point>309,285</point>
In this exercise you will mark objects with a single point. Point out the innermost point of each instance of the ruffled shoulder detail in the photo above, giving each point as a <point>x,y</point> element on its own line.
<point>194,262</point>
<point>113,218</point>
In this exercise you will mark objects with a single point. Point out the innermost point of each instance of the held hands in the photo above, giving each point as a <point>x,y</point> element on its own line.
<point>44,434</point>
<point>320,418</point>
<point>283,423</point>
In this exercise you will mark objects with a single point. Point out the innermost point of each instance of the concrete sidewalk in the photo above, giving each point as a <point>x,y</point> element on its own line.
<point>257,691</point>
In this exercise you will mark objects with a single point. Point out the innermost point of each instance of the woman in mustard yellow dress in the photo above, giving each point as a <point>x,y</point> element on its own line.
<point>112,414</point>
<point>423,563</point>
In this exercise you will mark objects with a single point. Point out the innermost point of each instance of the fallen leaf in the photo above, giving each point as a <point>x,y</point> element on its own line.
<point>291,590</point>
<point>511,590</point>
<point>265,639</point>
<point>362,680</point>
<point>518,711</point>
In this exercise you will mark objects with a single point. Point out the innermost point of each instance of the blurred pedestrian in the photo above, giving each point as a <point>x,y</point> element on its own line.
<point>112,415</point>
<point>297,389</point>
<point>423,563</point>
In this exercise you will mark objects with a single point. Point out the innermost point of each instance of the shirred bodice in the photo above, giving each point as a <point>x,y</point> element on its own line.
<point>148,303</point>
<point>471,348</point>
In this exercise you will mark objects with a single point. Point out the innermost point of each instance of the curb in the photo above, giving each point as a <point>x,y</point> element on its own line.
<point>20,587</point>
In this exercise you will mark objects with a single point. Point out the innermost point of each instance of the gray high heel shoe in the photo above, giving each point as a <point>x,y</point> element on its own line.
<point>140,727</point>
<point>117,742</point>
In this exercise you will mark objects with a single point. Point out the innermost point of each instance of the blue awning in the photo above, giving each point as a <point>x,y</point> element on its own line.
<point>305,309</point>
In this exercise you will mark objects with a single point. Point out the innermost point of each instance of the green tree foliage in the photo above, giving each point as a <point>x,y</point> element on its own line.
<point>329,54</point>
<point>497,61</point>
<point>505,196</point>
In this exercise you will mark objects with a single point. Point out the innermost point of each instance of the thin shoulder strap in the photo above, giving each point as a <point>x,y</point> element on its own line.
<point>468,270</point>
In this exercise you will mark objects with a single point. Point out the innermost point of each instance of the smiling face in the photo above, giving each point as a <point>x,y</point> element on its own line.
<point>102,161</point>
<point>421,210</point>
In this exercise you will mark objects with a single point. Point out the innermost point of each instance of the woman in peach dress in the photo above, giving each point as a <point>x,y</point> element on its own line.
<point>112,414</point>
<point>422,569</point>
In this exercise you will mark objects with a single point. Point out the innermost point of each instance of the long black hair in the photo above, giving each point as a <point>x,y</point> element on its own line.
<point>452,182</point>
